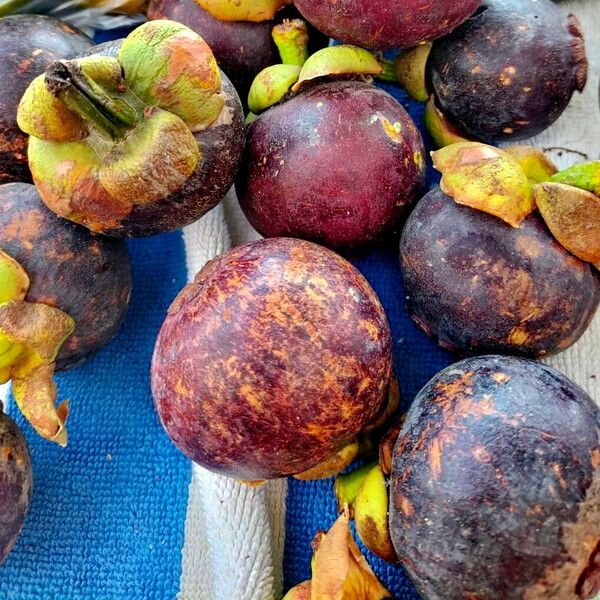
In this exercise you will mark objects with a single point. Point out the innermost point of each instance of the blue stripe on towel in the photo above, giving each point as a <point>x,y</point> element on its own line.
<point>108,512</point>
<point>312,506</point>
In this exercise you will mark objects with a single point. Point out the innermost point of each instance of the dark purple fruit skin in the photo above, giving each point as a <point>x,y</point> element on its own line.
<point>495,485</point>
<point>509,71</point>
<point>479,285</point>
<point>86,275</point>
<point>386,24</point>
<point>274,359</point>
<point>242,49</point>
<point>328,166</point>
<point>28,44</point>
<point>15,483</point>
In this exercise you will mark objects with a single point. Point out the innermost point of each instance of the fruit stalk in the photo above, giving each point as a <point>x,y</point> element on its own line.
<point>291,39</point>
<point>111,117</point>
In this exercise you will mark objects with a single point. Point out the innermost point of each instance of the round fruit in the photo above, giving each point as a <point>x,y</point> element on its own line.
<point>495,485</point>
<point>28,44</point>
<point>15,483</point>
<point>85,275</point>
<point>272,361</point>
<point>509,71</point>
<point>386,24</point>
<point>338,164</point>
<point>137,144</point>
<point>479,285</point>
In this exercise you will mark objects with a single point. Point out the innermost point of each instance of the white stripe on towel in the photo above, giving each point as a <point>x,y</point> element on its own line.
<point>234,534</point>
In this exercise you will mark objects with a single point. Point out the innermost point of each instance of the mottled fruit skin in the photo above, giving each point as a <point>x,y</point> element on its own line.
<point>86,275</point>
<point>386,24</point>
<point>28,44</point>
<point>479,285</point>
<point>509,71</point>
<point>272,361</point>
<point>339,164</point>
<point>495,485</point>
<point>15,483</point>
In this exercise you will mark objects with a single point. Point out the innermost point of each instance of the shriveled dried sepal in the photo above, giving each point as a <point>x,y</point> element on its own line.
<point>573,217</point>
<point>339,570</point>
<point>485,178</point>
<point>14,281</point>
<point>31,335</point>
<point>332,466</point>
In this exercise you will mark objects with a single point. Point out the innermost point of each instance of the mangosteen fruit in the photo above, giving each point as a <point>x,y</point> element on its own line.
<point>386,24</point>
<point>510,70</point>
<point>15,483</point>
<point>137,144</point>
<point>479,285</point>
<point>85,275</point>
<point>28,45</point>
<point>63,295</point>
<point>338,163</point>
<point>272,361</point>
<point>495,485</point>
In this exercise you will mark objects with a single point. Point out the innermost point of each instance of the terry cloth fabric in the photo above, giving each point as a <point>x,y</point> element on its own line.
<point>120,514</point>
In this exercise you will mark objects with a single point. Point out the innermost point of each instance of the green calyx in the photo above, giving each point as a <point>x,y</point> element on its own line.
<point>291,39</point>
<point>338,61</point>
<point>585,176</point>
<point>410,70</point>
<point>14,281</point>
<point>94,90</point>
<point>371,508</point>
<point>108,133</point>
<point>442,132</point>
<point>536,165</point>
<point>346,486</point>
<point>31,335</point>
<point>271,86</point>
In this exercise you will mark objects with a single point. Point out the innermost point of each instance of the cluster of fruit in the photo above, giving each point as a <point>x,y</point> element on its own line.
<point>277,360</point>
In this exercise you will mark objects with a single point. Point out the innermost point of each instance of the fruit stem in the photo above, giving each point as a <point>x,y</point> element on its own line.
<point>92,102</point>
<point>389,71</point>
<point>291,39</point>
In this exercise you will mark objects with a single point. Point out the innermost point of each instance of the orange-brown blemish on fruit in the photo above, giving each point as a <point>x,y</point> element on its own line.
<point>481,454</point>
<point>185,57</point>
<point>435,454</point>
<point>501,377</point>
<point>27,227</point>
<point>558,471</point>
<point>595,457</point>
<point>455,387</point>
<point>406,507</point>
